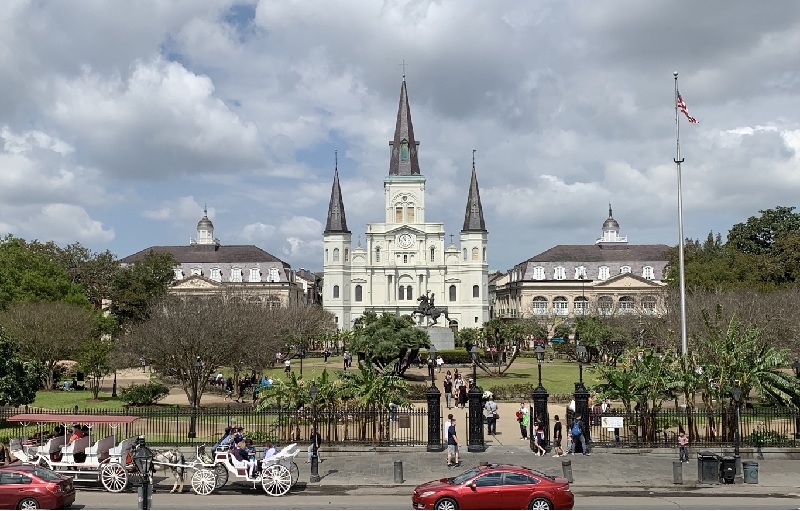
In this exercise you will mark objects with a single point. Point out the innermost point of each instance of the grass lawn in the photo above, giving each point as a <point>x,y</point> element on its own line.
<point>558,377</point>
<point>58,399</point>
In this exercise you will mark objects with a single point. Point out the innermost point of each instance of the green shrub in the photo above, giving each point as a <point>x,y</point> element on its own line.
<point>457,356</point>
<point>259,437</point>
<point>145,394</point>
<point>771,438</point>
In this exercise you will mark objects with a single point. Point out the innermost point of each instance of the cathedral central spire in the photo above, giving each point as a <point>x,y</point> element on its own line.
<point>403,160</point>
<point>337,222</point>
<point>473,217</point>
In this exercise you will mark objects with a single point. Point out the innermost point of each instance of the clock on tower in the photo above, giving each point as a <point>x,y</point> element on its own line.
<point>405,241</point>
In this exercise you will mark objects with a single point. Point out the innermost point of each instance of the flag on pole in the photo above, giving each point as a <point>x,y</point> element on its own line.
<point>682,108</point>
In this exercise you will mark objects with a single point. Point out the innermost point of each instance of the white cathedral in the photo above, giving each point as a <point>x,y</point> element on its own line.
<point>406,257</point>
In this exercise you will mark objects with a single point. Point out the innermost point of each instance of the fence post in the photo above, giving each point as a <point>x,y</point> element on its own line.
<point>434,397</point>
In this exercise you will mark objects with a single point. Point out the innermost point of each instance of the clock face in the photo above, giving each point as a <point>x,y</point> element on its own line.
<point>405,241</point>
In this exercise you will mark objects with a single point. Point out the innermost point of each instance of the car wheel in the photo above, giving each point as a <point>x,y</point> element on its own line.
<point>446,504</point>
<point>540,503</point>
<point>28,503</point>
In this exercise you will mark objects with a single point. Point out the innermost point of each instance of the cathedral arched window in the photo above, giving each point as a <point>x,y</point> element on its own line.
<point>409,293</point>
<point>484,255</point>
<point>377,254</point>
<point>433,254</point>
<point>452,293</point>
<point>476,291</point>
<point>475,254</point>
<point>405,258</point>
<point>540,306</point>
<point>401,291</point>
<point>404,150</point>
<point>326,256</point>
<point>335,255</point>
<point>336,291</point>
<point>346,255</point>
<point>358,293</point>
<point>464,254</point>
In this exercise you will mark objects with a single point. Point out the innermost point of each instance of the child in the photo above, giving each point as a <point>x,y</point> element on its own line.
<point>570,443</point>
<point>683,449</point>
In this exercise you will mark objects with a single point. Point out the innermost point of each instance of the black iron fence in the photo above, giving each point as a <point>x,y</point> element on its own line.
<point>171,425</point>
<point>759,427</point>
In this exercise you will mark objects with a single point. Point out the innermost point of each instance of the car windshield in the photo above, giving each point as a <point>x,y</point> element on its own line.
<point>466,476</point>
<point>45,474</point>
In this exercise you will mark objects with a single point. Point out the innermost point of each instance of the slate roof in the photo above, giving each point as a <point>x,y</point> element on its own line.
<point>337,220</point>
<point>404,130</point>
<point>209,254</point>
<point>594,253</point>
<point>473,216</point>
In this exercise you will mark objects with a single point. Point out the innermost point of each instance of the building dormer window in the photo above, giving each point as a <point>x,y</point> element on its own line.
<point>404,150</point>
<point>178,274</point>
<point>273,275</point>
<point>647,273</point>
<point>236,274</point>
<point>216,274</point>
<point>603,273</point>
<point>538,273</point>
<point>197,271</point>
<point>624,269</point>
<point>580,272</point>
<point>559,273</point>
<point>255,275</point>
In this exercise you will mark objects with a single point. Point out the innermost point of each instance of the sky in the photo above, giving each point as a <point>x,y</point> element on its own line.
<point>120,121</point>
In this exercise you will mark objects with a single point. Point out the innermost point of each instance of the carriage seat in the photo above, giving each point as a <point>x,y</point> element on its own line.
<point>236,463</point>
<point>123,449</point>
<point>53,445</point>
<point>76,447</point>
<point>100,448</point>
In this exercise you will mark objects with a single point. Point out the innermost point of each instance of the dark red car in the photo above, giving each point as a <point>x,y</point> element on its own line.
<point>34,487</point>
<point>495,487</point>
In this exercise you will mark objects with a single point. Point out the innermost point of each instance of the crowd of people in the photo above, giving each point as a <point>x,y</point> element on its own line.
<point>456,389</point>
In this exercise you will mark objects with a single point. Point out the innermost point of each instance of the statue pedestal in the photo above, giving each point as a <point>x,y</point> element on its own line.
<point>442,338</point>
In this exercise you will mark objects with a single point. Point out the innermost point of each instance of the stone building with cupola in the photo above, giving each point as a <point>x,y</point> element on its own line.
<point>205,266</point>
<point>607,277</point>
<point>404,256</point>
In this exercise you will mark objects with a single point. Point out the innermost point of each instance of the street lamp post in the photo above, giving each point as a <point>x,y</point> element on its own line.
<point>736,394</point>
<point>114,385</point>
<point>314,392</point>
<point>539,396</point>
<point>301,354</point>
<point>581,395</point>
<point>431,363</point>
<point>475,408</point>
<point>143,460</point>
<point>197,368</point>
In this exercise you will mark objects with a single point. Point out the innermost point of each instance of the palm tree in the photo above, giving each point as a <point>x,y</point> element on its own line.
<point>373,390</point>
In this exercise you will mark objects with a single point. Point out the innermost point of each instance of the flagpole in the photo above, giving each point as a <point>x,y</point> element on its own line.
<point>678,160</point>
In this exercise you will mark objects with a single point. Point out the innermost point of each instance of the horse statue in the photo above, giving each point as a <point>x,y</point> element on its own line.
<point>427,309</point>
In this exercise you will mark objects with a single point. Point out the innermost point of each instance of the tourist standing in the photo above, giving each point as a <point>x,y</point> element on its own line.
<point>683,447</point>
<point>448,390</point>
<point>491,416</point>
<point>452,445</point>
<point>557,438</point>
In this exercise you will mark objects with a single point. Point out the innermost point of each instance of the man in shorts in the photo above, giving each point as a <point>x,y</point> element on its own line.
<point>452,445</point>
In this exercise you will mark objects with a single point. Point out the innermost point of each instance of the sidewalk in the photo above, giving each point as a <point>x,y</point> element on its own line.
<point>602,473</point>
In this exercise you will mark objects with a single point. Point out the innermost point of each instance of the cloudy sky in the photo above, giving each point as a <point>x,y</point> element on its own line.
<point>119,120</point>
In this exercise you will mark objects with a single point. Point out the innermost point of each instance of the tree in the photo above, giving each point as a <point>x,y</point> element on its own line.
<point>139,285</point>
<point>374,390</point>
<point>49,331</point>
<point>19,380</point>
<point>94,357</point>
<point>500,335</point>
<point>31,275</point>
<point>386,338</point>
<point>760,235</point>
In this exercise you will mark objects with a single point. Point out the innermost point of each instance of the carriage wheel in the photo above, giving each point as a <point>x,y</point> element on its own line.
<point>114,477</point>
<point>276,480</point>
<point>221,473</point>
<point>294,470</point>
<point>203,481</point>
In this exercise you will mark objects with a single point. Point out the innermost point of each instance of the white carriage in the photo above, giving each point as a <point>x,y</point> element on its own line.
<point>87,459</point>
<point>276,474</point>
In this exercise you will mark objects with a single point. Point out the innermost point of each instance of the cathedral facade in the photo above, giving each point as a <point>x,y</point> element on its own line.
<point>404,256</point>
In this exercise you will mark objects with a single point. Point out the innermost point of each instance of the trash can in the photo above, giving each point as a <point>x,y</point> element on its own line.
<point>707,467</point>
<point>677,472</point>
<point>727,469</point>
<point>750,472</point>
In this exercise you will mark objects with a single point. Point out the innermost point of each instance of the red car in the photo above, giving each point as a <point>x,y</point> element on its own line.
<point>34,487</point>
<point>495,487</point>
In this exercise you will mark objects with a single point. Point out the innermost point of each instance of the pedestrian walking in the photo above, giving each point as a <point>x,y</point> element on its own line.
<point>538,439</point>
<point>439,363</point>
<point>577,435</point>
<point>491,416</point>
<point>683,447</point>
<point>287,366</point>
<point>523,419</point>
<point>558,452</point>
<point>452,445</point>
<point>448,390</point>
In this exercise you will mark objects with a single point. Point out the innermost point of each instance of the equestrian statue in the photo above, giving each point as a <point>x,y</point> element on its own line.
<point>427,309</point>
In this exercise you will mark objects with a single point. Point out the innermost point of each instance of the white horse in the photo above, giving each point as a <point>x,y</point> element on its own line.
<point>169,459</point>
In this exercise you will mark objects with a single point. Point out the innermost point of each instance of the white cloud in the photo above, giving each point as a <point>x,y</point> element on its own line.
<point>180,211</point>
<point>65,223</point>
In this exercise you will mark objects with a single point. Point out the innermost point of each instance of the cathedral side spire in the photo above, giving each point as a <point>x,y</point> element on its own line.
<point>337,222</point>
<point>473,217</point>
<point>403,160</point>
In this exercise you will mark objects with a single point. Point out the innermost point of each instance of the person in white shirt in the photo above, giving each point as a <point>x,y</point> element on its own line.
<point>448,422</point>
<point>439,362</point>
<point>269,450</point>
<point>287,366</point>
